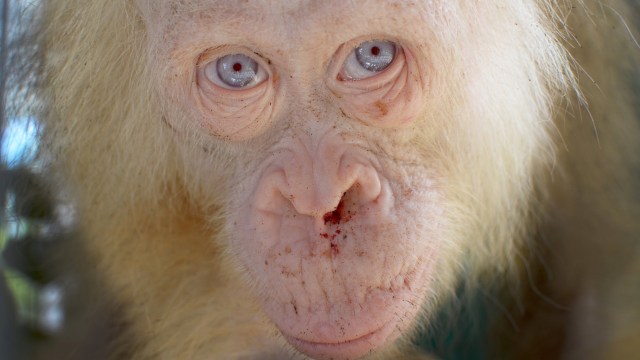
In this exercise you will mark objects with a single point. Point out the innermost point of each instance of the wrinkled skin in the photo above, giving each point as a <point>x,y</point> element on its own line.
<point>350,199</point>
<point>337,219</point>
<point>328,179</point>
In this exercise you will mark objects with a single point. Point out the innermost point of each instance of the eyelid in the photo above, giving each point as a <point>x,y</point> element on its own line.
<point>232,114</point>
<point>211,55</point>
<point>345,50</point>
<point>372,83</point>
<point>353,70</point>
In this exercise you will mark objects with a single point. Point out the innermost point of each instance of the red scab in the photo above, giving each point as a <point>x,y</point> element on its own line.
<point>335,249</point>
<point>325,235</point>
<point>335,217</point>
<point>338,231</point>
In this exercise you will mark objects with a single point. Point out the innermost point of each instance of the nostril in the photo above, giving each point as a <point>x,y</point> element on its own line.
<point>335,217</point>
<point>343,212</point>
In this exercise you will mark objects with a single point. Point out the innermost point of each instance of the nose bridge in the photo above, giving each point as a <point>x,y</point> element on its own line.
<point>316,182</point>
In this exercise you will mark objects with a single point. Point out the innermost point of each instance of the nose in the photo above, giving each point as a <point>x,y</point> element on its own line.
<point>318,177</point>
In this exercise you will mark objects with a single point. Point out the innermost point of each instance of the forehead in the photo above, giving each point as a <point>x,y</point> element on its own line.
<point>289,30</point>
<point>272,7</point>
<point>290,14</point>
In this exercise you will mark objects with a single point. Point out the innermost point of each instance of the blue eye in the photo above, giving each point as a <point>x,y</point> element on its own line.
<point>235,72</point>
<point>369,59</point>
<point>375,55</point>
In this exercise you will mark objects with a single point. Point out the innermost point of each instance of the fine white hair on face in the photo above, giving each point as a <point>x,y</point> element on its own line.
<point>499,157</point>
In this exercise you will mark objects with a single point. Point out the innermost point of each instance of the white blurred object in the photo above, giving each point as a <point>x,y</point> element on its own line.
<point>19,142</point>
<point>51,308</point>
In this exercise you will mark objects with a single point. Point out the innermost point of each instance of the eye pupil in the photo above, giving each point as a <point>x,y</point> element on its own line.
<point>375,51</point>
<point>237,67</point>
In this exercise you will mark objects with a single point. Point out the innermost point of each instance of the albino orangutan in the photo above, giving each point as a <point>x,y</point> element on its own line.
<point>343,179</point>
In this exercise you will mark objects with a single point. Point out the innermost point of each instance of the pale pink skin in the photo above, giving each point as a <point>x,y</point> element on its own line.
<point>333,212</point>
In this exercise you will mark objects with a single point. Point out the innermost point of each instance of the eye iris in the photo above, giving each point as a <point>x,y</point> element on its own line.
<point>375,55</point>
<point>236,70</point>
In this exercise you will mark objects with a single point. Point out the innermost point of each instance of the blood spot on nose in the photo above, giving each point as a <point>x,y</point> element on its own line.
<point>335,217</point>
<point>341,215</point>
<point>335,248</point>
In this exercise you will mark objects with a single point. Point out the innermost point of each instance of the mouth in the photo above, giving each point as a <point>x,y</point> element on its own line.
<point>345,349</point>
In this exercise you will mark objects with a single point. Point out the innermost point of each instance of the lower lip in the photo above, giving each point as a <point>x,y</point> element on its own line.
<point>344,350</point>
